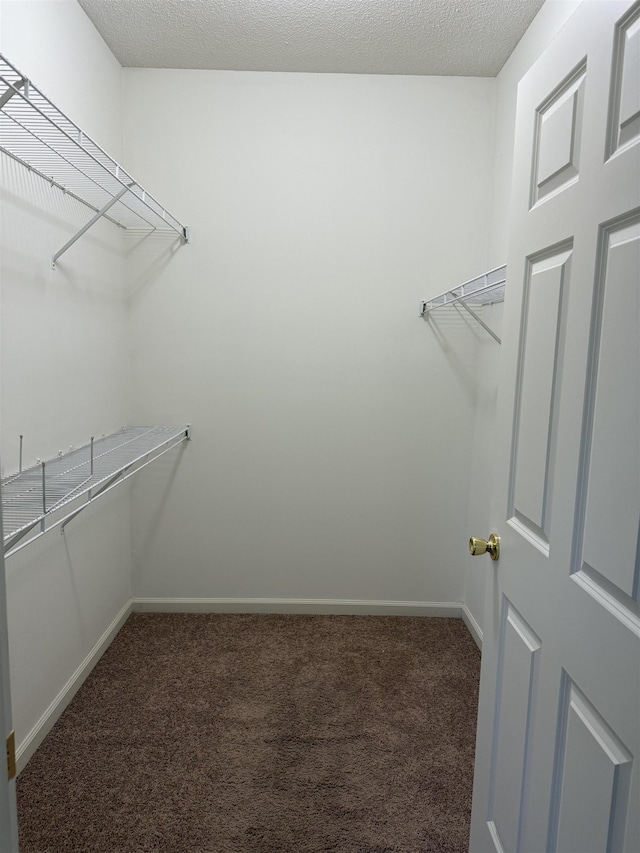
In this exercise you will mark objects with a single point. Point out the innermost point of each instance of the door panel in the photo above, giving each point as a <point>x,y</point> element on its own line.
<point>610,464</point>
<point>545,283</point>
<point>625,101</point>
<point>588,750</point>
<point>556,154</point>
<point>515,699</point>
<point>558,750</point>
<point>8,808</point>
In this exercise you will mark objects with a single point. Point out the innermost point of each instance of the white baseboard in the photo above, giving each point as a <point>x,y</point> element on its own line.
<point>314,606</point>
<point>474,629</point>
<point>320,606</point>
<point>46,722</point>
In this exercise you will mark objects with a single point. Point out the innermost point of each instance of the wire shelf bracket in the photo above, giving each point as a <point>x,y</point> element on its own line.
<point>53,493</point>
<point>486,289</point>
<point>86,227</point>
<point>39,136</point>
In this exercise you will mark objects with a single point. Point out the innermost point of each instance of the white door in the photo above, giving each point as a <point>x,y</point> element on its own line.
<point>8,814</point>
<point>558,752</point>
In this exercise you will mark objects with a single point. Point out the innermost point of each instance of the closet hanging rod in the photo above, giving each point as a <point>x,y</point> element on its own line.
<point>35,133</point>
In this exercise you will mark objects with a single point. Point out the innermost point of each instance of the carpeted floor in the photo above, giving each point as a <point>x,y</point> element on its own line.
<point>263,734</point>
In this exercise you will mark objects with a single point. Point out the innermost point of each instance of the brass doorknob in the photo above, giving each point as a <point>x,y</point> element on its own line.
<point>484,546</point>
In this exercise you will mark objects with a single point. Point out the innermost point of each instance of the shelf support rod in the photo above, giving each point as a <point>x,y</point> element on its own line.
<point>44,494</point>
<point>11,543</point>
<point>91,497</point>
<point>12,90</point>
<point>91,222</point>
<point>481,321</point>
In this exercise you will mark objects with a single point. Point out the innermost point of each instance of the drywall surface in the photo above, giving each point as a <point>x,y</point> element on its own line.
<point>63,362</point>
<point>332,426</point>
<point>544,27</point>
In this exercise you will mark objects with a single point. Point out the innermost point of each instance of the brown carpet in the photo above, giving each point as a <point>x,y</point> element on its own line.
<point>273,734</point>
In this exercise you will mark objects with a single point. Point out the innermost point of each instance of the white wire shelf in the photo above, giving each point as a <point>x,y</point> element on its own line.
<point>485,289</point>
<point>41,137</point>
<point>54,492</point>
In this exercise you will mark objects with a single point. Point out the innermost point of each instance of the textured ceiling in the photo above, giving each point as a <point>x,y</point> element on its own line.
<point>447,37</point>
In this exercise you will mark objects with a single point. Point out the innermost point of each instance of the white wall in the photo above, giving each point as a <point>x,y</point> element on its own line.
<point>544,27</point>
<point>332,427</point>
<point>64,362</point>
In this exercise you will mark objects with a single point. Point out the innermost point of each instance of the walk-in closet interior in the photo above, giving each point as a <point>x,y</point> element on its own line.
<point>268,300</point>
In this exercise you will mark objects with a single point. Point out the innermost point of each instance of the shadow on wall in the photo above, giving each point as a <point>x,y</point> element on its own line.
<point>163,479</point>
<point>38,220</point>
<point>147,254</point>
<point>464,371</point>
